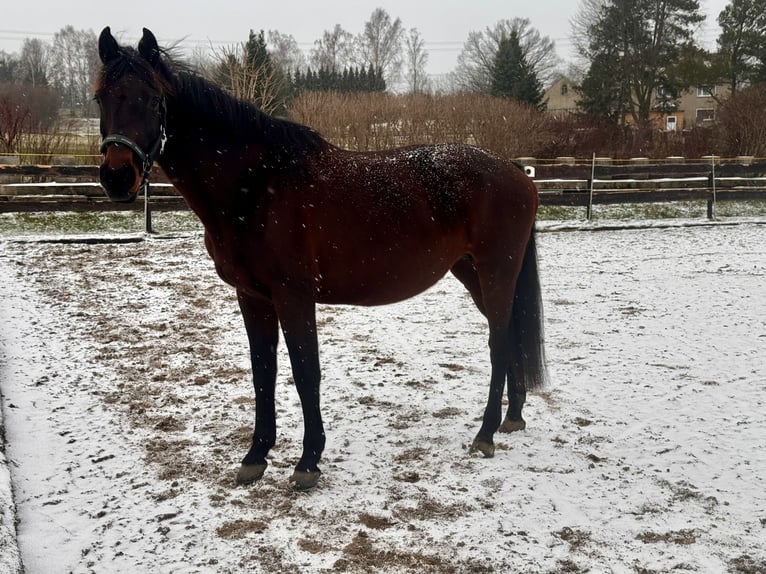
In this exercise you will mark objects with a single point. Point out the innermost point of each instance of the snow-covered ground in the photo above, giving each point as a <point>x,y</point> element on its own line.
<point>127,406</point>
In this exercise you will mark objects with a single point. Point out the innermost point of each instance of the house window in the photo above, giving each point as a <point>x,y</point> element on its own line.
<point>704,116</point>
<point>705,91</point>
<point>564,89</point>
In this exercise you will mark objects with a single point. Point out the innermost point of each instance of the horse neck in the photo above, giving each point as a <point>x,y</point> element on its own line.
<point>203,156</point>
<point>218,145</point>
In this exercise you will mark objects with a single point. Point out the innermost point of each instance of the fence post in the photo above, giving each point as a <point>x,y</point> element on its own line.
<point>147,210</point>
<point>711,200</point>
<point>589,211</point>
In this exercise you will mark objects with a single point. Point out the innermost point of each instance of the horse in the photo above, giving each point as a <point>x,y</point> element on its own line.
<point>291,221</point>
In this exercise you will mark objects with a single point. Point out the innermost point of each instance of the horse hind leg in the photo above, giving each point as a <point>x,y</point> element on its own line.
<point>491,284</point>
<point>465,271</point>
<point>517,396</point>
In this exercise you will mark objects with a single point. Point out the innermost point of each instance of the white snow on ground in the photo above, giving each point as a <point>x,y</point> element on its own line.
<point>127,406</point>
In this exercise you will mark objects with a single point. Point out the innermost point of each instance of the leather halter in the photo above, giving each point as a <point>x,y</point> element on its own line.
<point>147,157</point>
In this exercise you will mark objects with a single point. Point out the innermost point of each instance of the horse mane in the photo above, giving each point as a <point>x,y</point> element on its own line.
<point>240,119</point>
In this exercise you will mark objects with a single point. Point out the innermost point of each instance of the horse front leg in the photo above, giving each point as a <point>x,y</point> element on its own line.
<point>297,316</point>
<point>262,329</point>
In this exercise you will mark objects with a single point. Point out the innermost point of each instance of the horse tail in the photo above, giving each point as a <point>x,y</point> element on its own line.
<point>527,336</point>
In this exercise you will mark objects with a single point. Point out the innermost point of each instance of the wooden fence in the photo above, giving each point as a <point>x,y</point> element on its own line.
<point>608,184</point>
<point>25,188</point>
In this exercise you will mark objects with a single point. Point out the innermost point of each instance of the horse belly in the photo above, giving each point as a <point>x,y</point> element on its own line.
<point>380,281</point>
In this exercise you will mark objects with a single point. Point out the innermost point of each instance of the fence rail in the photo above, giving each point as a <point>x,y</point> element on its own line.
<point>598,184</point>
<point>25,188</point>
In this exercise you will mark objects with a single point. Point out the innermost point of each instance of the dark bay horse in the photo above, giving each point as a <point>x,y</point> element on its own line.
<point>292,221</point>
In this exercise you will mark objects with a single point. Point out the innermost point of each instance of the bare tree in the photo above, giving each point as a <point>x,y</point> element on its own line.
<point>416,58</point>
<point>34,62</point>
<point>380,45</point>
<point>476,61</point>
<point>248,79</point>
<point>203,61</point>
<point>73,66</point>
<point>333,51</point>
<point>285,53</point>
<point>587,15</point>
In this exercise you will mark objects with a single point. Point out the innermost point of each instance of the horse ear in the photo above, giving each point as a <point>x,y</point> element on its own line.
<point>148,48</point>
<point>108,49</point>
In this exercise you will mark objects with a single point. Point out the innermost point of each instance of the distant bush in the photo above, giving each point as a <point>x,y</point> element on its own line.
<point>375,121</point>
<point>582,135</point>
<point>24,110</point>
<point>742,122</point>
<point>380,120</point>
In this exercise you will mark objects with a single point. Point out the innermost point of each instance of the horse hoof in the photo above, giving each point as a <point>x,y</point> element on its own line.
<point>305,479</point>
<point>512,426</point>
<point>484,447</point>
<point>249,473</point>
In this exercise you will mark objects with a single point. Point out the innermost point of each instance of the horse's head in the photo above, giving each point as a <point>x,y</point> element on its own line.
<point>130,92</point>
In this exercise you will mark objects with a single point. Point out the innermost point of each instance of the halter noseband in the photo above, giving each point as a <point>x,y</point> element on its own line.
<point>147,158</point>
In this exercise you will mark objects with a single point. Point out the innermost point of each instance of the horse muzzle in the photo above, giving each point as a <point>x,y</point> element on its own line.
<point>119,175</point>
<point>120,184</point>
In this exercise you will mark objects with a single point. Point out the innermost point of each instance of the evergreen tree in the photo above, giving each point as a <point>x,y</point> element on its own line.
<point>512,76</point>
<point>346,80</point>
<point>476,61</point>
<point>256,53</point>
<point>632,45</point>
<point>603,91</point>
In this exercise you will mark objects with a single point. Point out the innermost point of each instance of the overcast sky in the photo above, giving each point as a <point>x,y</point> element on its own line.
<point>443,24</point>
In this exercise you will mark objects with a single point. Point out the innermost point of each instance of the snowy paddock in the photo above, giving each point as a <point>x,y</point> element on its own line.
<point>127,405</point>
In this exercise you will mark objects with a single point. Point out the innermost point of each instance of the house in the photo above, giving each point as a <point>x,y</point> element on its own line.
<point>561,97</point>
<point>695,107</point>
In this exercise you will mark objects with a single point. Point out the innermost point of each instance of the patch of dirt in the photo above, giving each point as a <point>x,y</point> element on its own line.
<point>680,537</point>
<point>429,509</point>
<point>361,554</point>
<point>567,566</point>
<point>454,367</point>
<point>574,537</point>
<point>375,522</point>
<point>313,546</point>
<point>447,412</point>
<point>409,455</point>
<point>745,564</point>
<point>240,528</point>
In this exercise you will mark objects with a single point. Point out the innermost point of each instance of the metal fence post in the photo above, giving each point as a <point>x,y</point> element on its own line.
<point>147,210</point>
<point>589,212</point>
<point>711,201</point>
